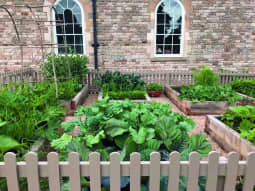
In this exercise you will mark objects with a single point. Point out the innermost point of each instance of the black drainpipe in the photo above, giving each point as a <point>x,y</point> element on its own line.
<point>95,44</point>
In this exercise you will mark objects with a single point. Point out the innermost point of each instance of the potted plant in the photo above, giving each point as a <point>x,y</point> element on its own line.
<point>154,90</point>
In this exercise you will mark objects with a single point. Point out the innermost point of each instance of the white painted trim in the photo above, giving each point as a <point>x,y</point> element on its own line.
<point>83,26</point>
<point>182,34</point>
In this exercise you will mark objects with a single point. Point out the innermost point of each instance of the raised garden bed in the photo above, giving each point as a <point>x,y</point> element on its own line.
<point>195,108</point>
<point>146,99</point>
<point>246,100</point>
<point>226,137</point>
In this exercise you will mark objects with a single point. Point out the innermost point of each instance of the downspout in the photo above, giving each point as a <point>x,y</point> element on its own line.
<point>95,44</point>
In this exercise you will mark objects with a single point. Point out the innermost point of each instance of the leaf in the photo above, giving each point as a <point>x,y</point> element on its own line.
<point>68,126</point>
<point>92,140</point>
<point>62,142</point>
<point>8,143</point>
<point>2,123</point>
<point>140,136</point>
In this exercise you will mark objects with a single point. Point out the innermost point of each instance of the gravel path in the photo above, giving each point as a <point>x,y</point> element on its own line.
<point>199,120</point>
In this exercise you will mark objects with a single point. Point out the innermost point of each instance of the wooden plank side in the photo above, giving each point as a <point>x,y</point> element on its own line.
<point>213,161</point>
<point>174,172</point>
<point>74,170</point>
<point>193,173</point>
<point>154,171</point>
<point>231,174</point>
<point>53,169</point>
<point>11,172</point>
<point>135,172</point>
<point>94,171</point>
<point>32,171</point>
<point>115,171</point>
<point>249,179</point>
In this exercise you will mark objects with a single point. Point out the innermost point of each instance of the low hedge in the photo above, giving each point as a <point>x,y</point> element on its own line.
<point>136,94</point>
<point>246,87</point>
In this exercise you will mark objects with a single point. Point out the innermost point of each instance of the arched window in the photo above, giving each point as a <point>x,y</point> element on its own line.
<point>69,26</point>
<point>169,29</point>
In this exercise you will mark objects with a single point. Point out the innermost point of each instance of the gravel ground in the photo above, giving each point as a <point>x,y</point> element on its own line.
<point>199,120</point>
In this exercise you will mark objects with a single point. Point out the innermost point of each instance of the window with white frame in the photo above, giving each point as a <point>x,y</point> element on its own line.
<point>169,29</point>
<point>69,27</point>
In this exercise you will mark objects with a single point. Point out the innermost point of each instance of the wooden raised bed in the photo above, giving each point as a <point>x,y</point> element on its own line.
<point>147,98</point>
<point>246,100</point>
<point>226,137</point>
<point>195,108</point>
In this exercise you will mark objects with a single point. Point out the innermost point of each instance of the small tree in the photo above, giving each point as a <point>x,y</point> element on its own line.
<point>205,76</point>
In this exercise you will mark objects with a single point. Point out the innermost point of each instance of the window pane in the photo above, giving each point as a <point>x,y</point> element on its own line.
<point>168,49</point>
<point>61,50</point>
<point>71,3</point>
<point>78,39</point>
<point>76,9</point>
<point>159,49</point>
<point>77,18</point>
<point>68,16</point>
<point>176,49</point>
<point>59,18</point>
<point>178,27</point>
<point>168,29</point>
<point>60,29</point>
<point>160,18</point>
<point>70,39</point>
<point>60,39</point>
<point>168,19</point>
<point>160,9</point>
<point>169,39</point>
<point>69,29</point>
<point>177,39</point>
<point>160,29</point>
<point>59,9</point>
<point>160,39</point>
<point>79,49</point>
<point>77,29</point>
<point>63,3</point>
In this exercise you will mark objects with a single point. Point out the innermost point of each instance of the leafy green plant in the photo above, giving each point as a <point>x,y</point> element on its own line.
<point>196,93</point>
<point>154,87</point>
<point>116,81</point>
<point>67,66</point>
<point>205,76</point>
<point>68,89</point>
<point>7,144</point>
<point>246,87</point>
<point>241,119</point>
<point>135,94</point>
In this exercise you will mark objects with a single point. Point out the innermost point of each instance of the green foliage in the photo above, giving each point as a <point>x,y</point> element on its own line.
<point>154,87</point>
<point>129,127</point>
<point>205,77</point>
<point>196,93</point>
<point>116,81</point>
<point>246,87</point>
<point>77,63</point>
<point>242,119</point>
<point>68,89</point>
<point>135,94</point>
<point>8,143</point>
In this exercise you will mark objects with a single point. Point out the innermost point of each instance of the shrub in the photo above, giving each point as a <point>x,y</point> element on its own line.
<point>205,76</point>
<point>77,63</point>
<point>246,87</point>
<point>154,87</point>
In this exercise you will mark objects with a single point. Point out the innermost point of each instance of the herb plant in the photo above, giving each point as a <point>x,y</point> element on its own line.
<point>154,87</point>
<point>205,76</point>
<point>246,87</point>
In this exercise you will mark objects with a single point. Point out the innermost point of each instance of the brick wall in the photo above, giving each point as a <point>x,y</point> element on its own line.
<point>220,33</point>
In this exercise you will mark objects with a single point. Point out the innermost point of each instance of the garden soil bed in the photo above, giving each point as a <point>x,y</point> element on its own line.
<point>195,108</point>
<point>146,99</point>
<point>226,137</point>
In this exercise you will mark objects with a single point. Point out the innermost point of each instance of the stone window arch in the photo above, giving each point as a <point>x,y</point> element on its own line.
<point>169,29</point>
<point>69,30</point>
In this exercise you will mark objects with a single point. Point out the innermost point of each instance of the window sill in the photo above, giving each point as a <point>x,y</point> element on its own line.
<point>166,59</point>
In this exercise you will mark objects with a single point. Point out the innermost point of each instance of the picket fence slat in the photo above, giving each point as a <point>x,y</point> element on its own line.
<point>74,169</point>
<point>232,169</point>
<point>11,172</point>
<point>249,175</point>
<point>115,172</point>
<point>53,168</point>
<point>194,160</point>
<point>174,171</point>
<point>211,184</point>
<point>32,172</point>
<point>154,183</point>
<point>94,170</point>
<point>135,172</point>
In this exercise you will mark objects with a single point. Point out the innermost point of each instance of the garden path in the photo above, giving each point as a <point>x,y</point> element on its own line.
<point>199,120</point>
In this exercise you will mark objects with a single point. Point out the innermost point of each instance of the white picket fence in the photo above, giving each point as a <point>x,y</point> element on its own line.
<point>221,174</point>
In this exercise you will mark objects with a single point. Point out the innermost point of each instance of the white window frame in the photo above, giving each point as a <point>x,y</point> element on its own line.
<point>82,23</point>
<point>182,33</point>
